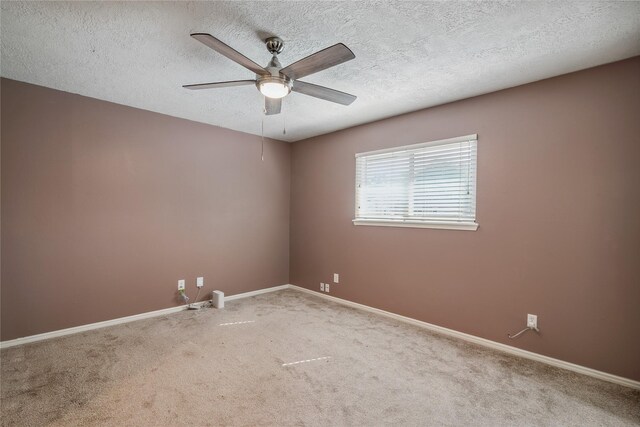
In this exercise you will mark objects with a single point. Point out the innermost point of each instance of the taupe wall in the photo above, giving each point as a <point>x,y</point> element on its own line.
<point>105,207</point>
<point>558,208</point>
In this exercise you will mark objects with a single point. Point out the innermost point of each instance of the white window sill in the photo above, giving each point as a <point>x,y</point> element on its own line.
<point>469,226</point>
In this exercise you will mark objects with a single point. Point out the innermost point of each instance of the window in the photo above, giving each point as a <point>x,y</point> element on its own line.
<point>429,185</point>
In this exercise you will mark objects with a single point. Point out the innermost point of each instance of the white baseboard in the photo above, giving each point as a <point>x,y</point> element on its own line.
<point>450,332</point>
<point>483,342</point>
<point>127,319</point>
<point>254,293</point>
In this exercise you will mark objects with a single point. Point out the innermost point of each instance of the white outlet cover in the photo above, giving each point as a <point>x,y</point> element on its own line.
<point>336,278</point>
<point>532,321</point>
<point>200,282</point>
<point>326,287</point>
<point>322,287</point>
<point>181,285</point>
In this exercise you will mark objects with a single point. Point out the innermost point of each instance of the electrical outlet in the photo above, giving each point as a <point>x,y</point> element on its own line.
<point>336,278</point>
<point>181,284</point>
<point>326,287</point>
<point>532,321</point>
<point>322,287</point>
<point>200,282</point>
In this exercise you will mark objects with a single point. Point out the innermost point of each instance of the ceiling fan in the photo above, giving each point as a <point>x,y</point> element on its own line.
<point>276,82</point>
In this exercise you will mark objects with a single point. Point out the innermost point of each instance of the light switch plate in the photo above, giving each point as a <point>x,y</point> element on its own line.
<point>326,287</point>
<point>336,278</point>
<point>322,287</point>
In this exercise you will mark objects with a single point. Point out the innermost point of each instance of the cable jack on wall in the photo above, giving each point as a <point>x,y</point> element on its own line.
<point>532,324</point>
<point>183,293</point>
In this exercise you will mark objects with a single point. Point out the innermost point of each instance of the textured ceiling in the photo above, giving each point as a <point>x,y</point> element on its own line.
<point>409,55</point>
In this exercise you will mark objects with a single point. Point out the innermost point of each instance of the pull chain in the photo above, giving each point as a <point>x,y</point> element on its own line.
<point>262,154</point>
<point>284,124</point>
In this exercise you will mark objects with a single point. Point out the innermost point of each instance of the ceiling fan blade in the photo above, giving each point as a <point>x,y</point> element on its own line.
<point>323,93</point>
<point>229,52</point>
<point>216,85</point>
<point>272,105</point>
<point>326,58</point>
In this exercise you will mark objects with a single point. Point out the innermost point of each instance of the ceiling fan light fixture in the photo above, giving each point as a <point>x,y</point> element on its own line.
<point>274,89</point>
<point>274,86</point>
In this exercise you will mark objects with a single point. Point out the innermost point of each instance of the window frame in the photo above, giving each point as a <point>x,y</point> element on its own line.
<point>419,223</point>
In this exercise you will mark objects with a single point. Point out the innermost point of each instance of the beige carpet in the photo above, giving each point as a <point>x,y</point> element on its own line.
<point>188,369</point>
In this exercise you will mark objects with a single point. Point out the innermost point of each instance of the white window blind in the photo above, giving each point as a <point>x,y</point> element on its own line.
<point>433,184</point>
